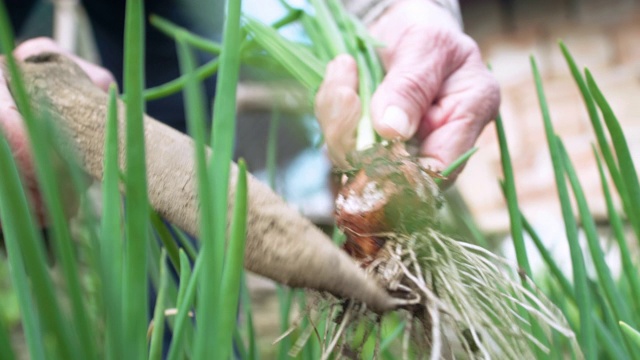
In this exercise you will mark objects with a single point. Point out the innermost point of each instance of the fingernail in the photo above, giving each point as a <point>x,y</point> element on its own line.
<point>397,119</point>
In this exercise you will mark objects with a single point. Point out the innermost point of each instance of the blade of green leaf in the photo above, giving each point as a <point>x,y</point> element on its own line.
<point>586,334</point>
<point>174,86</point>
<point>295,58</point>
<point>630,270</point>
<point>135,302</point>
<point>185,276</point>
<point>16,223</point>
<point>248,314</point>
<point>285,299</point>
<point>230,287</point>
<point>456,164</point>
<point>603,144</point>
<point>155,347</point>
<point>168,241</point>
<point>632,333</point>
<point>175,31</point>
<point>213,249</point>
<point>111,241</point>
<point>30,242</point>
<point>625,160</point>
<point>618,305</point>
<point>180,325</point>
<point>511,196</point>
<point>5,341</point>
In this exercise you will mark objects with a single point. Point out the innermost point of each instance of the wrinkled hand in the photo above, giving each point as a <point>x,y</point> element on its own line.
<point>436,89</point>
<point>11,122</point>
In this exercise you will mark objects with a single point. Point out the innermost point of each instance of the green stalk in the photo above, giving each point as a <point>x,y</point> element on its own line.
<point>225,321</point>
<point>168,242</point>
<point>615,306</point>
<point>603,144</point>
<point>295,58</point>
<point>5,339</point>
<point>180,325</point>
<point>177,32</point>
<point>174,86</point>
<point>30,243</point>
<point>248,314</point>
<point>213,249</point>
<point>136,204</point>
<point>629,269</point>
<point>332,36</point>
<point>618,305</point>
<point>632,333</point>
<point>17,224</point>
<point>155,347</point>
<point>625,160</point>
<point>509,186</point>
<point>111,234</point>
<point>586,335</point>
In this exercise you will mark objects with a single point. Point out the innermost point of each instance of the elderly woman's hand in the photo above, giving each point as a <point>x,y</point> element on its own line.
<point>436,89</point>
<point>13,127</point>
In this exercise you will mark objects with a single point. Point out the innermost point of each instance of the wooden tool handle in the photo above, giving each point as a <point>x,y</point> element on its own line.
<point>281,244</point>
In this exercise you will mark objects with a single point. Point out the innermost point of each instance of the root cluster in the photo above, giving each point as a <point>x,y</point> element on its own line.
<point>456,300</point>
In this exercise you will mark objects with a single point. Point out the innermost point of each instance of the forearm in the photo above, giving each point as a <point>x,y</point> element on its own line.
<point>370,10</point>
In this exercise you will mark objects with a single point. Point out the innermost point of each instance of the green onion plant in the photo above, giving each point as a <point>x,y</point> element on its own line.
<point>95,306</point>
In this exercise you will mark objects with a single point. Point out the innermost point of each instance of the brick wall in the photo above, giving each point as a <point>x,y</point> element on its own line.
<point>603,36</point>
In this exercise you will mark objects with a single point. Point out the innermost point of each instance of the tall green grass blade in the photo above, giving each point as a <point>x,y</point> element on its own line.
<point>603,144</point>
<point>303,65</point>
<point>211,294</point>
<point>618,304</point>
<point>136,204</point>
<point>168,241</point>
<point>49,184</point>
<point>610,345</point>
<point>616,337</point>
<point>271,162</point>
<point>329,29</point>
<point>17,223</point>
<point>509,186</point>
<point>174,86</point>
<point>175,31</point>
<point>186,242</point>
<point>231,279</point>
<point>253,352</point>
<point>285,299</point>
<point>5,339</point>
<point>181,325</point>
<point>630,332</point>
<point>625,160</point>
<point>312,31</point>
<point>586,334</point>
<point>614,301</point>
<point>111,241</point>
<point>630,271</point>
<point>565,285</point>
<point>30,242</point>
<point>185,275</point>
<point>238,343</point>
<point>155,347</point>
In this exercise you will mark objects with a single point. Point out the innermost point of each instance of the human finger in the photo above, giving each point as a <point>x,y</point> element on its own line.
<point>338,109</point>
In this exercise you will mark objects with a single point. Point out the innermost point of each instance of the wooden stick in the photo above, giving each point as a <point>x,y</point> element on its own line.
<point>281,244</point>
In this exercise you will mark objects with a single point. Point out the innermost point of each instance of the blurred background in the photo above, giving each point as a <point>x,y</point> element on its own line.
<point>603,35</point>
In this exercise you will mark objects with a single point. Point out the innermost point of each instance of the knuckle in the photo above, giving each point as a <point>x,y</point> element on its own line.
<point>34,46</point>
